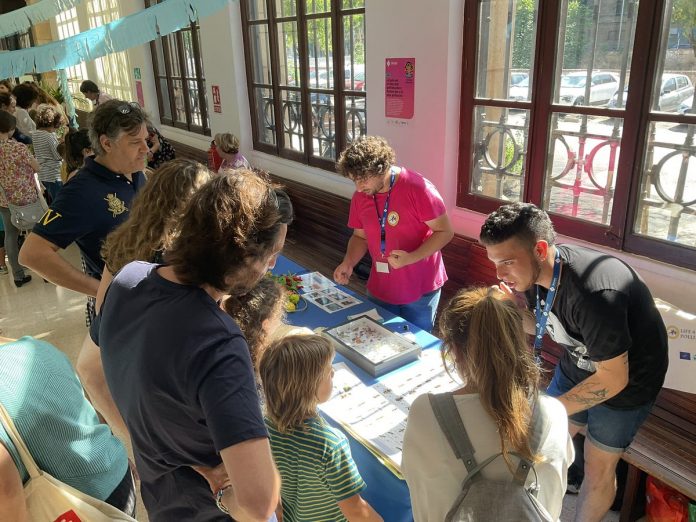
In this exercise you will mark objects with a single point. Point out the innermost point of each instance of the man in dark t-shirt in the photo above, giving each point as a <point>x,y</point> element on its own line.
<point>178,367</point>
<point>94,202</point>
<point>602,313</point>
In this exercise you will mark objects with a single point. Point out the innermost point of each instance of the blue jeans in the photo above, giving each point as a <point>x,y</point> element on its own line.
<point>607,428</point>
<point>52,187</point>
<point>420,312</point>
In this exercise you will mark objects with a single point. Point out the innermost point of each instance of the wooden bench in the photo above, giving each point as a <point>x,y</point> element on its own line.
<point>665,446</point>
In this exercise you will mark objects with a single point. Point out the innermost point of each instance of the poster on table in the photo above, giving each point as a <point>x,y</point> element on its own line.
<point>399,87</point>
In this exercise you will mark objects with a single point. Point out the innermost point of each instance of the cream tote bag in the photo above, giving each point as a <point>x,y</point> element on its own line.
<point>48,499</point>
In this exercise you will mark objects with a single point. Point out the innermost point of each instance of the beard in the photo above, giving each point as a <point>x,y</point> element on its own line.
<point>536,270</point>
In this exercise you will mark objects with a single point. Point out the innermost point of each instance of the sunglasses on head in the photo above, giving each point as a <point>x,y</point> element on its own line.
<point>123,109</point>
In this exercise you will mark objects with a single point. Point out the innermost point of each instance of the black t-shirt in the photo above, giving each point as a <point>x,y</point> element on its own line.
<point>87,208</point>
<point>180,373</point>
<point>603,309</point>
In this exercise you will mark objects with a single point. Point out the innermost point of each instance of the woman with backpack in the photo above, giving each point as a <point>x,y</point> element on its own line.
<point>502,414</point>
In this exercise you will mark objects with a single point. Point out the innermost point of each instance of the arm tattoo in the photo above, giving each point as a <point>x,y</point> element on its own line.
<point>587,394</point>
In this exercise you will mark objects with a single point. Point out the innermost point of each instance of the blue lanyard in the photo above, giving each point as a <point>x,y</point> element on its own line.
<point>542,316</point>
<point>383,218</point>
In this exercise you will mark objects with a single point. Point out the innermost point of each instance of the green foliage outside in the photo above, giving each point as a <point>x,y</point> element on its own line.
<point>684,18</point>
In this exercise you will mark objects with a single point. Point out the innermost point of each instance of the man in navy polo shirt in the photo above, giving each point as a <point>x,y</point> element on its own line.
<point>95,201</point>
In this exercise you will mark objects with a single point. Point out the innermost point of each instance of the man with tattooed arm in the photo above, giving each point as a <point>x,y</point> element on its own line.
<point>602,313</point>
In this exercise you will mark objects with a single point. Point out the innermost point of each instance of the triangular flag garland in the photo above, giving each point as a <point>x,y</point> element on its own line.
<point>20,20</point>
<point>130,31</point>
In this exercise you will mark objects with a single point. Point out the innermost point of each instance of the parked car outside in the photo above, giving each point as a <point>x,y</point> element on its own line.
<point>675,89</point>
<point>687,106</point>
<point>573,88</point>
<point>520,91</point>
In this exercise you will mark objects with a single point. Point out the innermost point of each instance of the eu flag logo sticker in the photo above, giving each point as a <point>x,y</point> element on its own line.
<point>685,355</point>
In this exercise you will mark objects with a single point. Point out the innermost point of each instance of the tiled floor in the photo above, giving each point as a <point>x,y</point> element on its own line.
<point>57,315</point>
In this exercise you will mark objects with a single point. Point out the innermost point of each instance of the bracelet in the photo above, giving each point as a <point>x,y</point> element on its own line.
<point>218,500</point>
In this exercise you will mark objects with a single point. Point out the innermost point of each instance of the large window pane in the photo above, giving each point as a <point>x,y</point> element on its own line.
<point>673,90</point>
<point>292,120</point>
<point>505,57</point>
<point>286,8</point>
<point>318,6</point>
<point>257,9</point>
<point>356,119</point>
<point>349,4</point>
<point>323,126</point>
<point>263,103</point>
<point>354,49</point>
<point>261,52</point>
<point>499,158</point>
<point>320,59</point>
<point>581,171</point>
<point>289,54</point>
<point>667,204</point>
<point>165,103</point>
<point>595,46</point>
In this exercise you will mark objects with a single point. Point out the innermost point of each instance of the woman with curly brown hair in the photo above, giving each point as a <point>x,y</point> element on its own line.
<point>484,340</point>
<point>147,233</point>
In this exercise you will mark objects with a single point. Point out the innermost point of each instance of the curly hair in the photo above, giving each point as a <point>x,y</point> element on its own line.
<point>264,302</point>
<point>47,116</point>
<point>366,157</point>
<point>291,370</point>
<point>227,143</point>
<point>525,221</point>
<point>156,211</point>
<point>233,220</point>
<point>482,335</point>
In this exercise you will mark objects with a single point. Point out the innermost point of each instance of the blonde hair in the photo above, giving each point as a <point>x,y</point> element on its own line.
<point>366,157</point>
<point>227,142</point>
<point>264,302</point>
<point>483,336</point>
<point>291,370</point>
<point>47,115</point>
<point>157,209</point>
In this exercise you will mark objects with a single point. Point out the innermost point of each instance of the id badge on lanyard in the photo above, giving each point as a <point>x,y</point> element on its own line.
<point>382,266</point>
<point>542,315</point>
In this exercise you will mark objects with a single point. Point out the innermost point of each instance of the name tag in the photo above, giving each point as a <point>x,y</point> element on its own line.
<point>382,267</point>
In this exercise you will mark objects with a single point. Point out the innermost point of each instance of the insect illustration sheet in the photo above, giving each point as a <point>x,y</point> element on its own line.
<point>376,415</point>
<point>315,281</point>
<point>331,299</point>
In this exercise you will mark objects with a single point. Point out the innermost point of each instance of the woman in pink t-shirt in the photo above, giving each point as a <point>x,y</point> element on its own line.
<point>400,218</point>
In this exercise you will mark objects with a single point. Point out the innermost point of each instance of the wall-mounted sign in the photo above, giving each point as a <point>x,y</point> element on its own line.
<point>139,93</point>
<point>217,105</point>
<point>399,87</point>
<point>136,73</point>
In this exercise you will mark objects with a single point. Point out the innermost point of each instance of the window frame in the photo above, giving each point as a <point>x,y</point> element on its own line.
<point>339,92</point>
<point>637,117</point>
<point>166,74</point>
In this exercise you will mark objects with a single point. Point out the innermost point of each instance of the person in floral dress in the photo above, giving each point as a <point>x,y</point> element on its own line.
<point>17,167</point>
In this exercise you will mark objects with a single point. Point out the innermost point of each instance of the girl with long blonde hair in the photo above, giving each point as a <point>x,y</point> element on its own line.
<point>484,341</point>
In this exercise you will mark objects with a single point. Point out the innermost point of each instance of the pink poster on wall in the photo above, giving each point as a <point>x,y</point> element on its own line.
<point>399,87</point>
<point>139,93</point>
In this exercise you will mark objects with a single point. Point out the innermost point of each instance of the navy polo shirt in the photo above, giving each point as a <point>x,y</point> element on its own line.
<point>87,208</point>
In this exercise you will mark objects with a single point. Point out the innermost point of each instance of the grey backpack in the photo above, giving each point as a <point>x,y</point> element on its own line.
<point>482,498</point>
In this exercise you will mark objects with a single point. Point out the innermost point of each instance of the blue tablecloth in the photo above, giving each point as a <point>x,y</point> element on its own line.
<point>385,492</point>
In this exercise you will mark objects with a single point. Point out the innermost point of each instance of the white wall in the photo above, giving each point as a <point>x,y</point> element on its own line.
<point>432,33</point>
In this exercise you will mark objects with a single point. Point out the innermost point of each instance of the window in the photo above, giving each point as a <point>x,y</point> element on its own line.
<point>179,79</point>
<point>113,70</point>
<point>305,64</point>
<point>67,25</point>
<point>600,131</point>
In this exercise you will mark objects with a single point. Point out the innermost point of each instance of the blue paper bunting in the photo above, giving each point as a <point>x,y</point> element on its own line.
<point>20,20</point>
<point>124,33</point>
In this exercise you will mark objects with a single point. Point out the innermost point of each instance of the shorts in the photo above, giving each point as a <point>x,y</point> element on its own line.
<point>607,428</point>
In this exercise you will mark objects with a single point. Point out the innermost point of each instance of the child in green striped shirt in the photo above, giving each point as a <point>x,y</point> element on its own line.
<point>320,481</point>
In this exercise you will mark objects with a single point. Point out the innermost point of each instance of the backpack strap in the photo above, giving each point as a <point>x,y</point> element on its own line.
<point>447,415</point>
<point>539,426</point>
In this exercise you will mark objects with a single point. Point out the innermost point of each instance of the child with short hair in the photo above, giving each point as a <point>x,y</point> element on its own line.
<point>319,478</point>
<point>48,120</point>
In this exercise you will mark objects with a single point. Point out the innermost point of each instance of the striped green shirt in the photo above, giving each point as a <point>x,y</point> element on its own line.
<point>317,471</point>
